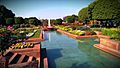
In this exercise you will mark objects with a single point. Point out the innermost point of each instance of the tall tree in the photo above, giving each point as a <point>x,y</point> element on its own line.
<point>59,21</point>
<point>106,9</point>
<point>83,14</point>
<point>19,20</point>
<point>6,13</point>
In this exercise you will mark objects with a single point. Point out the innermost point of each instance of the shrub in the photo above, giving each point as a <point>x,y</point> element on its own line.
<point>114,33</point>
<point>82,28</point>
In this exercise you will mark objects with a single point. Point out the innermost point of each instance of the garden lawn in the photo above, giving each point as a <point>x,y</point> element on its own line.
<point>37,34</point>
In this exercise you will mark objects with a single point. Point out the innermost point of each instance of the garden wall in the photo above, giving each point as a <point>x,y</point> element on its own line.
<point>110,46</point>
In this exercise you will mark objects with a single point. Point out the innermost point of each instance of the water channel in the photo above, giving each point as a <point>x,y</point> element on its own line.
<point>66,52</point>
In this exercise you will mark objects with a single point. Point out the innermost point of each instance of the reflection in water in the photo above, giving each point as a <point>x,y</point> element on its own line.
<point>97,56</point>
<point>65,52</point>
<point>49,37</point>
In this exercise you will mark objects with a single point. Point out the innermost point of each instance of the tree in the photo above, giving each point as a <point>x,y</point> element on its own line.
<point>44,22</point>
<point>83,14</point>
<point>70,19</point>
<point>19,20</point>
<point>58,21</point>
<point>53,21</point>
<point>108,10</point>
<point>33,21</point>
<point>10,21</point>
<point>2,20</point>
<point>6,13</point>
<point>26,20</point>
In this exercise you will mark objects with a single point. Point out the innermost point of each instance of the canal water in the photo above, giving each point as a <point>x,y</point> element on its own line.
<point>66,52</point>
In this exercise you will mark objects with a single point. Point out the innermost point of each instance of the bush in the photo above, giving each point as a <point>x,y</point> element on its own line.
<point>15,26</point>
<point>114,33</point>
<point>82,28</point>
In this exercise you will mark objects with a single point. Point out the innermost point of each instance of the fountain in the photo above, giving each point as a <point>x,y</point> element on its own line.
<point>49,25</point>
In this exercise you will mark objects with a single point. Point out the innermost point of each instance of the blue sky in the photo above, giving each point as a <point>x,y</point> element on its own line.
<point>45,9</point>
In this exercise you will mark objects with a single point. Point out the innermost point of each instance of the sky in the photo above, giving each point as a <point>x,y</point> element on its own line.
<point>45,9</point>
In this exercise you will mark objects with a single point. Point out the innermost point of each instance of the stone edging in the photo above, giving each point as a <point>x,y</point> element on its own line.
<point>107,49</point>
<point>110,46</point>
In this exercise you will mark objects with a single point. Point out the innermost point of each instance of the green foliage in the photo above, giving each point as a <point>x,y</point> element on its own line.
<point>37,34</point>
<point>2,20</point>
<point>114,33</point>
<point>83,14</point>
<point>26,20</point>
<point>33,21</point>
<point>10,21</point>
<point>5,40</point>
<point>83,28</point>
<point>103,10</point>
<point>76,32</point>
<point>70,19</point>
<point>110,10</point>
<point>19,20</point>
<point>58,21</point>
<point>6,13</point>
<point>6,16</point>
<point>16,26</point>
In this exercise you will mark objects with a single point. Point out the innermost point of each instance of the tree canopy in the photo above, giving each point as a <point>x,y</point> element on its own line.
<point>83,14</point>
<point>70,19</point>
<point>105,9</point>
<point>101,10</point>
<point>19,20</point>
<point>6,13</point>
<point>59,21</point>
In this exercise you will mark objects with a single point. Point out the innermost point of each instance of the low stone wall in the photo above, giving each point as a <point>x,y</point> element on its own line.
<point>110,46</point>
<point>29,51</point>
<point>110,43</point>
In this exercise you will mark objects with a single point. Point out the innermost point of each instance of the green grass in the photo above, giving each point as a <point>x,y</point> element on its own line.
<point>37,34</point>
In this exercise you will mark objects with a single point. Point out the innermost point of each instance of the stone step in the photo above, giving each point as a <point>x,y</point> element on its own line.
<point>30,58</point>
<point>12,57</point>
<point>15,59</point>
<point>8,55</point>
<point>21,59</point>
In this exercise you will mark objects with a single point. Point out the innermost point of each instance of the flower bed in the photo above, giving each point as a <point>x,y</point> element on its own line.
<point>23,45</point>
<point>76,32</point>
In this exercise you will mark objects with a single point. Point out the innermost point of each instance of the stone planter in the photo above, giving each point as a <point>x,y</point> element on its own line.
<point>109,46</point>
<point>110,43</point>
